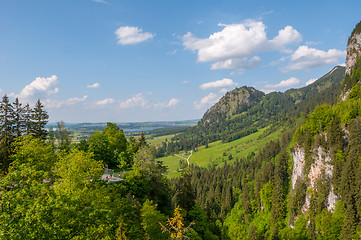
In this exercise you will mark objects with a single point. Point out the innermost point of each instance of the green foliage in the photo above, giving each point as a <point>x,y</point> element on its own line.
<point>111,146</point>
<point>150,221</point>
<point>76,171</point>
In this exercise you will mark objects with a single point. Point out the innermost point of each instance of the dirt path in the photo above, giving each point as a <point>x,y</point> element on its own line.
<point>187,159</point>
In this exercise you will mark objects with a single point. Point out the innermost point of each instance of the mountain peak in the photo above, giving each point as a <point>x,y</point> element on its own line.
<point>233,102</point>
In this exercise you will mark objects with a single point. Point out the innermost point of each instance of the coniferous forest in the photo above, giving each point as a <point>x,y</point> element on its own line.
<point>304,185</point>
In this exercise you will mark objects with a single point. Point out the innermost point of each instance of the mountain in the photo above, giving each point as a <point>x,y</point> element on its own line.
<point>307,187</point>
<point>244,110</point>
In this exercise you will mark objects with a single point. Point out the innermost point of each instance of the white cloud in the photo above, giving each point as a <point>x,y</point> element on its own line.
<point>137,101</point>
<point>132,35</point>
<point>186,82</point>
<point>286,36</point>
<point>105,101</point>
<point>267,91</point>
<point>39,88</point>
<point>236,44</point>
<point>305,57</point>
<point>224,83</point>
<point>285,83</point>
<point>237,63</point>
<point>172,102</point>
<point>95,85</point>
<point>312,80</point>
<point>53,103</point>
<point>206,101</point>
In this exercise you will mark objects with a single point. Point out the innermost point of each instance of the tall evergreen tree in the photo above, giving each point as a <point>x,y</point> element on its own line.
<point>19,124</point>
<point>6,131</point>
<point>39,118</point>
<point>27,119</point>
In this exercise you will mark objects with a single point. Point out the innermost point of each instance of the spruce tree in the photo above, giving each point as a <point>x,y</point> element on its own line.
<point>6,131</point>
<point>39,118</point>
<point>19,124</point>
<point>27,119</point>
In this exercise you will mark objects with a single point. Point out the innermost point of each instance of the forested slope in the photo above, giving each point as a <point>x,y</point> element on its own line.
<point>306,186</point>
<point>244,110</point>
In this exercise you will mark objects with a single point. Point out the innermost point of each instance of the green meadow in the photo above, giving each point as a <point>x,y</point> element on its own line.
<point>217,152</point>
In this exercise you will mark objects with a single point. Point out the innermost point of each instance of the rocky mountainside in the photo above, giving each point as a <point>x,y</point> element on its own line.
<point>326,170</point>
<point>353,64</point>
<point>304,185</point>
<point>234,102</point>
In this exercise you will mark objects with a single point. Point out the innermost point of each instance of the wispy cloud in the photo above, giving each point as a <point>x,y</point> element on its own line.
<point>285,83</point>
<point>105,101</point>
<point>135,101</point>
<point>95,85</point>
<point>206,101</point>
<point>132,35</point>
<point>101,1</point>
<point>224,83</point>
<point>172,102</point>
<point>54,103</point>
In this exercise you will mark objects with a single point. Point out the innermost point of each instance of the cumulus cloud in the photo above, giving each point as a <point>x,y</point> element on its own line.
<point>39,88</point>
<point>206,101</point>
<point>53,103</point>
<point>105,101</point>
<point>135,101</point>
<point>224,83</point>
<point>305,57</point>
<point>95,85</point>
<point>312,80</point>
<point>285,83</point>
<point>132,35</point>
<point>236,45</point>
<point>286,36</point>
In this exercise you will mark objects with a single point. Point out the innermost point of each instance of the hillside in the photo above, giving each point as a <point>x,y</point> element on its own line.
<point>244,110</point>
<point>306,187</point>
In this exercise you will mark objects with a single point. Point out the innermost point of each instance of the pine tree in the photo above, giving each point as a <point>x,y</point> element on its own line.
<point>6,131</point>
<point>27,119</point>
<point>39,118</point>
<point>18,118</point>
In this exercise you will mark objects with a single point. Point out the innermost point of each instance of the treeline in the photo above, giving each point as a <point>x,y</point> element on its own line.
<point>17,120</point>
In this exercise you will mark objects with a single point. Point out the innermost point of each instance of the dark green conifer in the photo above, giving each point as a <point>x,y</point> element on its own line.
<point>6,131</point>
<point>39,118</point>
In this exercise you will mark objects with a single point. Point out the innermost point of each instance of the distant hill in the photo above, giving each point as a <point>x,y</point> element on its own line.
<point>244,110</point>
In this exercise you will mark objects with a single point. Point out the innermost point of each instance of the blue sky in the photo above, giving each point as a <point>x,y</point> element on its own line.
<point>122,61</point>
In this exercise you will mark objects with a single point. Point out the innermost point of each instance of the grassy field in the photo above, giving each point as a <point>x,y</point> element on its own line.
<point>217,152</point>
<point>157,141</point>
